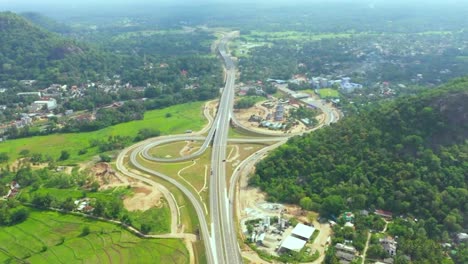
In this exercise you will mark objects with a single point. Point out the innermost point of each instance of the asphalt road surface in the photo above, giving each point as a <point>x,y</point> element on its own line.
<point>224,237</point>
<point>222,245</point>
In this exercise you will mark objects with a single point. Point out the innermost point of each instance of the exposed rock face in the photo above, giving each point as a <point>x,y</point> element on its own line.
<point>61,52</point>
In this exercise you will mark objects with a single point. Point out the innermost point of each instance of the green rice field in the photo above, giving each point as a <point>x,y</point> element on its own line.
<point>51,237</point>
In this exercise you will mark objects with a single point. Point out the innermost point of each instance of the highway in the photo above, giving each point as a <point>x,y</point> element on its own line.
<point>221,246</point>
<point>224,237</point>
<point>224,110</point>
<point>221,243</point>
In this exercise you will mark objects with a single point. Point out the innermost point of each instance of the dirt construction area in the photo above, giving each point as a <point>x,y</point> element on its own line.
<point>252,118</point>
<point>144,196</point>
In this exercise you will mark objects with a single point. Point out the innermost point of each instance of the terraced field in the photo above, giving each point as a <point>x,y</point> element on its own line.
<point>51,237</point>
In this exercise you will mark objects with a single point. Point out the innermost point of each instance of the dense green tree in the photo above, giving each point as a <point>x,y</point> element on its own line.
<point>105,158</point>
<point>19,215</point>
<point>64,155</point>
<point>306,203</point>
<point>245,102</point>
<point>4,157</point>
<point>332,205</point>
<point>376,252</point>
<point>42,200</point>
<point>145,228</point>
<point>68,204</point>
<point>85,231</point>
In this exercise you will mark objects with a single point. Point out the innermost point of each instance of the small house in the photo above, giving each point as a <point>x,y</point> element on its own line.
<point>389,244</point>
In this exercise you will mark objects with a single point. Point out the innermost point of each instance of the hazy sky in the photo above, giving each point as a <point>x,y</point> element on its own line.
<point>52,5</point>
<point>179,2</point>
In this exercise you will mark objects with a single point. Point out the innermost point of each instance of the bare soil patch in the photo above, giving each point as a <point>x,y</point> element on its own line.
<point>106,176</point>
<point>143,199</point>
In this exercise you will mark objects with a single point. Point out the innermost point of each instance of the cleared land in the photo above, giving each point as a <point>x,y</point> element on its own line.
<point>51,237</point>
<point>183,117</point>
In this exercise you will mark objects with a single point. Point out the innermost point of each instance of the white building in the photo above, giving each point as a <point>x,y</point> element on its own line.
<point>292,243</point>
<point>347,86</point>
<point>29,94</point>
<point>298,238</point>
<point>345,248</point>
<point>303,231</point>
<point>389,244</point>
<point>50,103</point>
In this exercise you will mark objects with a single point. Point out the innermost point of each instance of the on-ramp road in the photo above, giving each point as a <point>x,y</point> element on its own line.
<point>222,245</point>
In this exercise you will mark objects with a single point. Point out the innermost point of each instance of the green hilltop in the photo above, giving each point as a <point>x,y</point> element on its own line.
<point>28,51</point>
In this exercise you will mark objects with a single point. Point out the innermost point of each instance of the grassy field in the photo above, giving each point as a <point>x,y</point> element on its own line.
<point>158,219</point>
<point>328,93</point>
<point>192,174</point>
<point>51,237</point>
<point>168,150</point>
<point>237,133</point>
<point>184,117</point>
<point>242,151</point>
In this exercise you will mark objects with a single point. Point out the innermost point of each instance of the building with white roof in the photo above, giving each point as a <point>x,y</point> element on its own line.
<point>345,248</point>
<point>292,243</point>
<point>50,103</point>
<point>298,238</point>
<point>303,231</point>
<point>260,238</point>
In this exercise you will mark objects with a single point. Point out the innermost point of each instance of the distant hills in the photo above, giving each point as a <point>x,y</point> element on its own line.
<point>46,22</point>
<point>28,51</point>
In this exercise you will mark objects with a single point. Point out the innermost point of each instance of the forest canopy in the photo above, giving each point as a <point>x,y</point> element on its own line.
<point>408,156</point>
